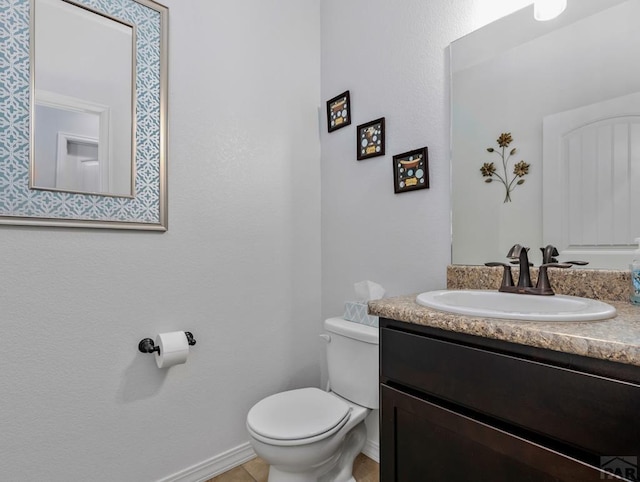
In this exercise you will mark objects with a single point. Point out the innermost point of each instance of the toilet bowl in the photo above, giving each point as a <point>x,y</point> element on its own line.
<point>312,441</point>
<point>309,435</point>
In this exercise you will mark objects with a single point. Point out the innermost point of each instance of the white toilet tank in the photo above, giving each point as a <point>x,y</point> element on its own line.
<point>352,359</point>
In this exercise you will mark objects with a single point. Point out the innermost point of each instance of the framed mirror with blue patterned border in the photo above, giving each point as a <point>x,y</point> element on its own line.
<point>19,204</point>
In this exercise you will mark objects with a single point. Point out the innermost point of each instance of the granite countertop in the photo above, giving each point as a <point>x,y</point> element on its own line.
<point>616,339</point>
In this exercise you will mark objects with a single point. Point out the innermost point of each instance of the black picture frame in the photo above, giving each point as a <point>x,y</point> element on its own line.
<point>339,112</point>
<point>370,139</point>
<point>411,170</point>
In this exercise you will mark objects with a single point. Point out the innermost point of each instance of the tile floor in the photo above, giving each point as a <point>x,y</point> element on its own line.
<point>257,470</point>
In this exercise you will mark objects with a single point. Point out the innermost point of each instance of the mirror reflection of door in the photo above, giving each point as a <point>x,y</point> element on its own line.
<point>84,89</point>
<point>591,174</point>
<point>77,164</point>
<point>51,146</point>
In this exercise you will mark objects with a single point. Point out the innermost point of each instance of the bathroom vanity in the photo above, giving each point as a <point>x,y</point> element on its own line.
<point>466,398</point>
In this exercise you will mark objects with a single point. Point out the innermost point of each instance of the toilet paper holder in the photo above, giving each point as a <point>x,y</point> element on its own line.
<point>147,345</point>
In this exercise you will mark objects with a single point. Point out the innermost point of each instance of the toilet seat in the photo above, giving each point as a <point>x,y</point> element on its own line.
<point>297,417</point>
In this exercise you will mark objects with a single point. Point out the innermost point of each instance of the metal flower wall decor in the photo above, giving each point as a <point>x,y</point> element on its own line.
<point>520,169</point>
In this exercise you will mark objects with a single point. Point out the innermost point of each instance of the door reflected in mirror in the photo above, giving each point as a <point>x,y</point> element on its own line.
<point>82,137</point>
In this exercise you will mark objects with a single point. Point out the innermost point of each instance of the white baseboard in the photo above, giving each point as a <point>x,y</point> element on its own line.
<point>214,466</point>
<point>237,456</point>
<point>372,450</point>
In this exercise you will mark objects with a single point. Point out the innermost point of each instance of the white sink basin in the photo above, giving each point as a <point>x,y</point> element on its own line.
<point>511,306</point>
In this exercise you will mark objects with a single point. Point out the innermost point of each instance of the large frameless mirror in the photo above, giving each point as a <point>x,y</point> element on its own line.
<point>546,135</point>
<point>83,113</point>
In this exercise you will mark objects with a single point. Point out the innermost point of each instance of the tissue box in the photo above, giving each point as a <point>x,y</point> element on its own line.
<point>356,311</point>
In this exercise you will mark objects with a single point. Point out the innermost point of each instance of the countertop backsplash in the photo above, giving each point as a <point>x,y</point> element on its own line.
<point>598,284</point>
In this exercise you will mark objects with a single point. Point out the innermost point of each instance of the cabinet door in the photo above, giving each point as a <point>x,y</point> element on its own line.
<point>421,441</point>
<point>592,413</point>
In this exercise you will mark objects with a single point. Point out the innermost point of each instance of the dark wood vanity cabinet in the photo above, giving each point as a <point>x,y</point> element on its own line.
<point>458,407</point>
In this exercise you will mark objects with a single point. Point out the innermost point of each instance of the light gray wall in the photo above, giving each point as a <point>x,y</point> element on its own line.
<point>239,267</point>
<point>393,57</point>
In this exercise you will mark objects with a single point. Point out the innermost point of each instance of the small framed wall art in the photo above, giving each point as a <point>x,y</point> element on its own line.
<point>370,138</point>
<point>411,171</point>
<point>338,112</point>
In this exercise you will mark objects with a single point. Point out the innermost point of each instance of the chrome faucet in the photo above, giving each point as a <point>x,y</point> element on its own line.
<point>524,286</point>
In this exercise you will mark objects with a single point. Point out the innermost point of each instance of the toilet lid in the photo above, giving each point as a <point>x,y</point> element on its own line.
<point>297,414</point>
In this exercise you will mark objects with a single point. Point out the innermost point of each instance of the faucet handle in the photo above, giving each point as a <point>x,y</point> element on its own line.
<point>507,278</point>
<point>577,263</point>
<point>556,265</point>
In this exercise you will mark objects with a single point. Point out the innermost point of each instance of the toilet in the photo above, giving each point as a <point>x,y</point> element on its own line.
<point>309,435</point>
